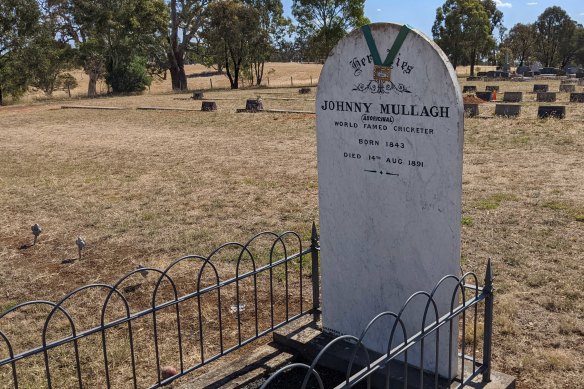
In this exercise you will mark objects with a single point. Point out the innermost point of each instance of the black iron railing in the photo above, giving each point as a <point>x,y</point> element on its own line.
<point>464,311</point>
<point>129,348</point>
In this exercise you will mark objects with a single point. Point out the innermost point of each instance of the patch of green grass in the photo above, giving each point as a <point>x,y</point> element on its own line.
<point>495,200</point>
<point>576,213</point>
<point>467,221</point>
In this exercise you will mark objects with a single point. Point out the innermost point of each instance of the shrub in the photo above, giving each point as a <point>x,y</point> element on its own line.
<point>129,77</point>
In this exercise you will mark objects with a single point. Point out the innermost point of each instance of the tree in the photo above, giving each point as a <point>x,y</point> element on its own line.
<point>521,42</point>
<point>51,58</point>
<point>112,34</point>
<point>67,81</point>
<point>322,23</point>
<point>555,30</point>
<point>19,24</point>
<point>186,19</point>
<point>464,29</point>
<point>231,30</point>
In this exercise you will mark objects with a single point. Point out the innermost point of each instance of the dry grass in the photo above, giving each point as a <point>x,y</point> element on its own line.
<point>147,187</point>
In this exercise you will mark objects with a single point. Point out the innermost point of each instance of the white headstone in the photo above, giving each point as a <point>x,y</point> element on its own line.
<point>390,178</point>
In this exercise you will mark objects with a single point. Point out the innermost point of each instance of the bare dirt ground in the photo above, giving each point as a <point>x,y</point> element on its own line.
<point>148,186</point>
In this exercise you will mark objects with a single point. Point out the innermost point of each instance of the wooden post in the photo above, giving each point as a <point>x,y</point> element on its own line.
<point>211,81</point>
<point>291,82</point>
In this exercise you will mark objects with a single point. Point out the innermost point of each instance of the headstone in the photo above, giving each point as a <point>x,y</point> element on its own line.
<point>390,175</point>
<point>523,69</point>
<point>208,106</point>
<point>486,96</point>
<point>491,74</point>
<point>558,112</point>
<point>540,88</point>
<point>528,73</point>
<point>491,88</point>
<point>474,78</point>
<point>549,71</point>
<point>577,97</point>
<point>482,74</point>
<point>567,82</point>
<point>546,97</point>
<point>469,89</point>
<point>512,97</point>
<point>471,110</point>
<point>304,91</point>
<point>198,95</point>
<point>580,75</point>
<point>567,88</point>
<point>254,105</point>
<point>507,110</point>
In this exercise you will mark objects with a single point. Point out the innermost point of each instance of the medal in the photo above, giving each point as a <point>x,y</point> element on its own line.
<point>382,70</point>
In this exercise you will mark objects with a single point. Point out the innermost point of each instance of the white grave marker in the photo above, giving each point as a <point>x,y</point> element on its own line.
<point>390,176</point>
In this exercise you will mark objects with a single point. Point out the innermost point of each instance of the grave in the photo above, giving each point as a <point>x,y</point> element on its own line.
<point>540,88</point>
<point>471,110</point>
<point>491,88</point>
<point>508,110</point>
<point>546,97</point>
<point>474,78</point>
<point>512,97</point>
<point>549,71</point>
<point>469,89</point>
<point>567,81</point>
<point>528,73</point>
<point>580,75</point>
<point>558,112</point>
<point>254,105</point>
<point>577,97</point>
<point>567,88</point>
<point>389,145</point>
<point>198,95</point>
<point>304,91</point>
<point>523,69</point>
<point>208,106</point>
<point>485,96</point>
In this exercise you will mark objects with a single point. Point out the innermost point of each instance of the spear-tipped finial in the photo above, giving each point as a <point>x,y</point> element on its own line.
<point>80,245</point>
<point>314,235</point>
<point>489,277</point>
<point>36,231</point>
<point>143,272</point>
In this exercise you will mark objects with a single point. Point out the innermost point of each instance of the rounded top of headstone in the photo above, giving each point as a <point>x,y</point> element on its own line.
<point>419,68</point>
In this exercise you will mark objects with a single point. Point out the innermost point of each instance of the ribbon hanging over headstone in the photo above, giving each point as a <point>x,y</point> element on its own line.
<point>382,70</point>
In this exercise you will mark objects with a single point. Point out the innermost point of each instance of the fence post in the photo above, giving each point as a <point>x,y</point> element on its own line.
<point>315,274</point>
<point>488,337</point>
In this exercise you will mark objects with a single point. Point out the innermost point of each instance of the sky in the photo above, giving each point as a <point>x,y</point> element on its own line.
<point>421,13</point>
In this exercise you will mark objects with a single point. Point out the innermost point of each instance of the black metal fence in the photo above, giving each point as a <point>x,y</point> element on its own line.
<point>46,344</point>
<point>464,311</point>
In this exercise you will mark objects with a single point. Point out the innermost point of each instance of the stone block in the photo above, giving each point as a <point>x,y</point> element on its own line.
<point>254,105</point>
<point>577,97</point>
<point>546,97</point>
<point>540,88</point>
<point>471,110</point>
<point>485,96</point>
<point>508,110</point>
<point>513,97</point>
<point>208,106</point>
<point>558,112</point>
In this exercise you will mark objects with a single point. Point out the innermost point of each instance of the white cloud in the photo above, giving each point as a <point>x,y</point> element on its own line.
<point>581,13</point>
<point>532,3</point>
<point>378,9</point>
<point>502,4</point>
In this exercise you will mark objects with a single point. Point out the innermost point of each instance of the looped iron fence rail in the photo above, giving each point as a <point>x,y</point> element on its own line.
<point>129,348</point>
<point>384,363</point>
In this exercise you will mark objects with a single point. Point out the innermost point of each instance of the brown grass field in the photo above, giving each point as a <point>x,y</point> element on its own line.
<point>149,186</point>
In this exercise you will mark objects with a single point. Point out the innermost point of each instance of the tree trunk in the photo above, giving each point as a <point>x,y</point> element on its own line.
<point>473,59</point>
<point>1,101</point>
<point>92,87</point>
<point>177,70</point>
